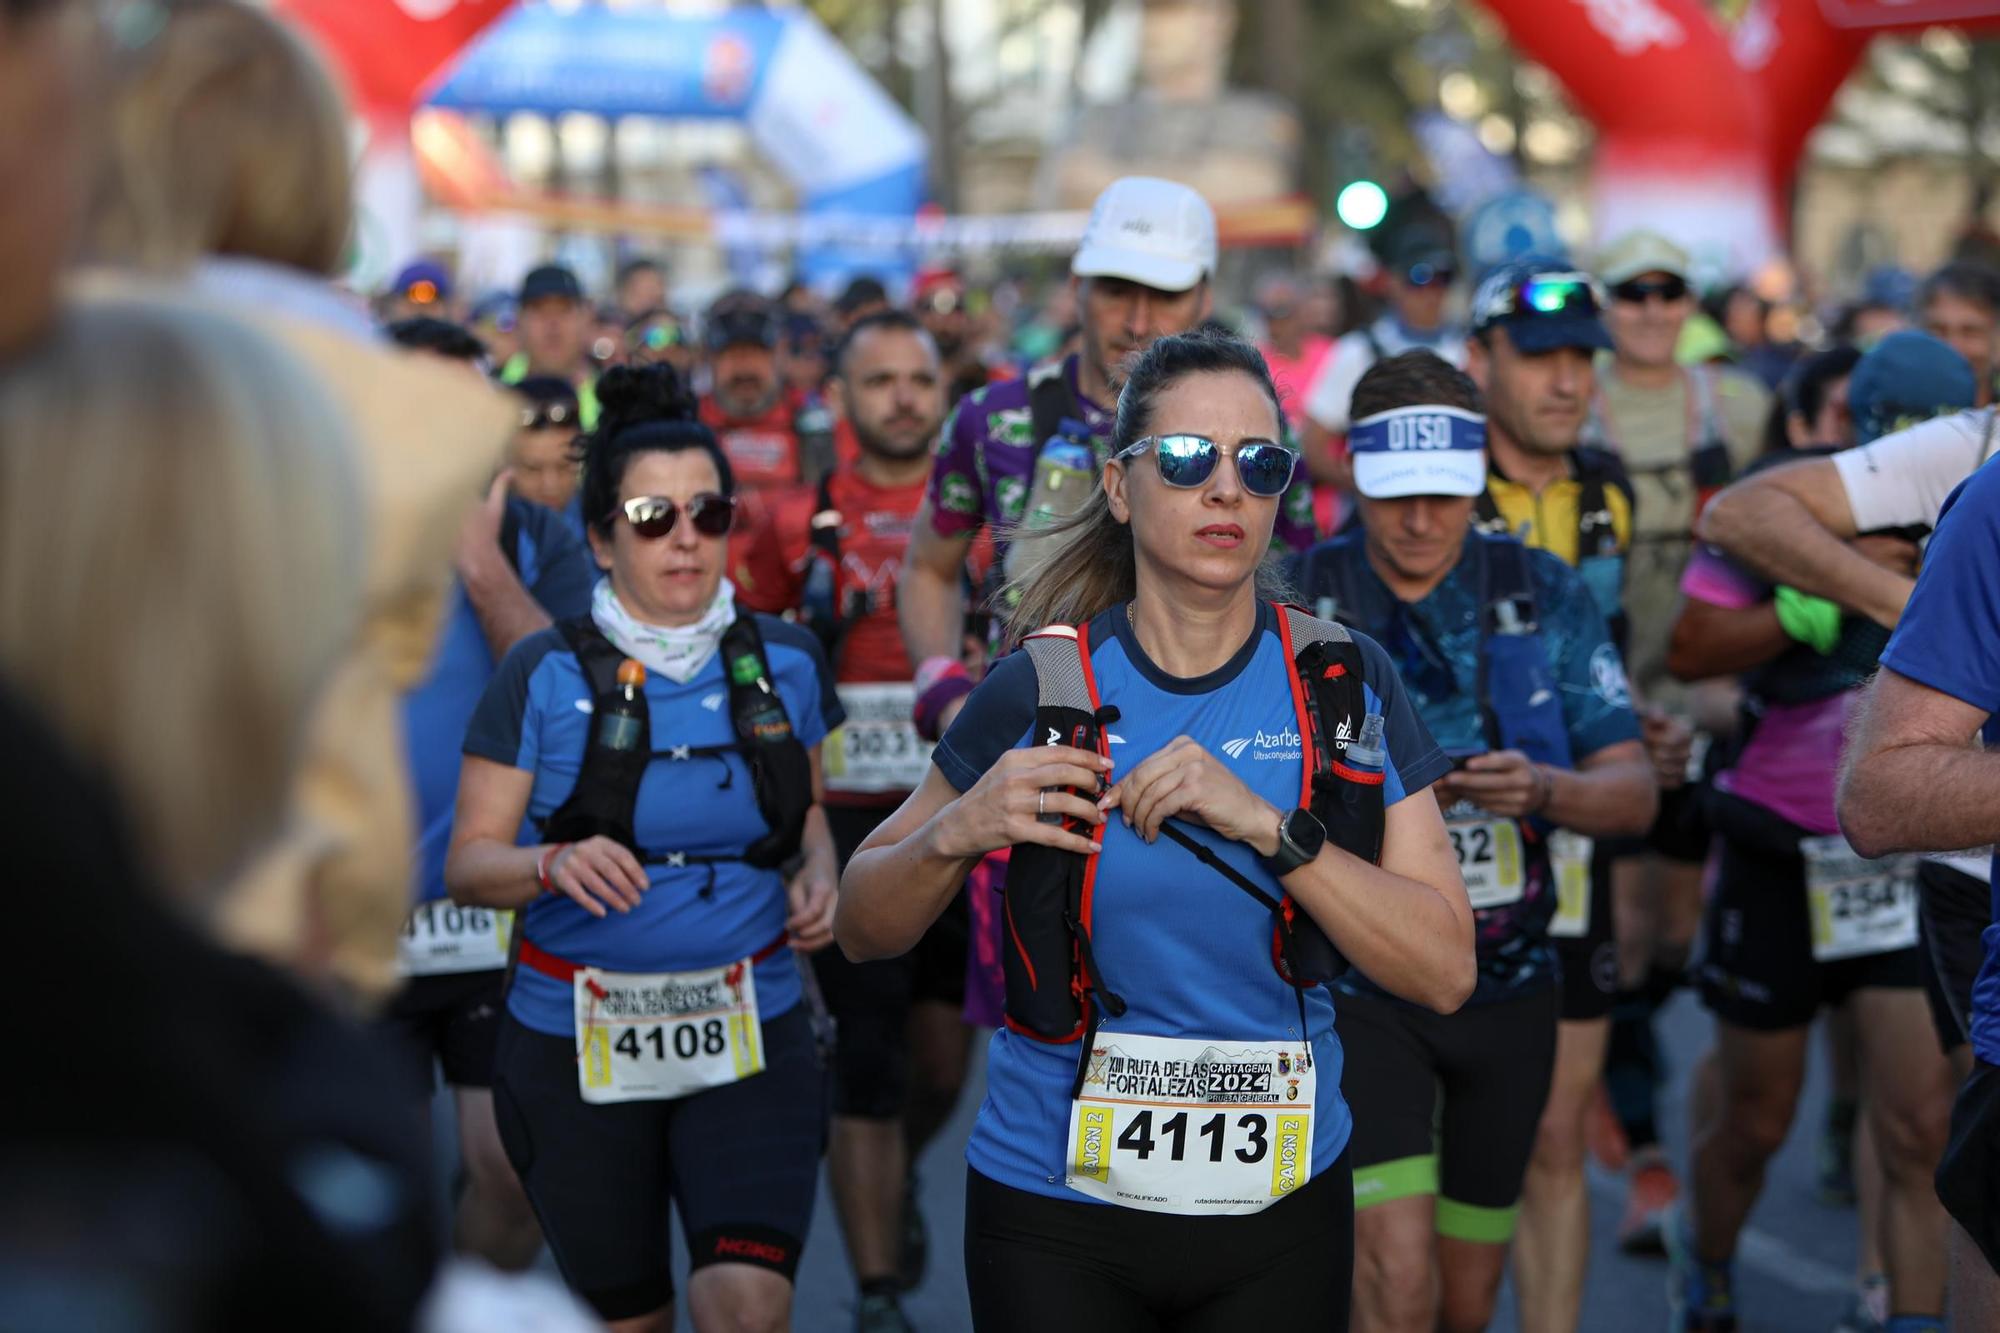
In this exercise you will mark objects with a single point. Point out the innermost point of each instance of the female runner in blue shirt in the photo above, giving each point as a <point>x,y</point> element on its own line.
<point>1110,1194</point>
<point>695,1080</point>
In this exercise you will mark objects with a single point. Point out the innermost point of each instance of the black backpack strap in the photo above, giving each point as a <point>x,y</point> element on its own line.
<point>607,786</point>
<point>1506,607</point>
<point>1332,582</point>
<point>1507,588</point>
<point>1486,513</point>
<point>780,767</point>
<point>597,655</point>
<point>1050,401</point>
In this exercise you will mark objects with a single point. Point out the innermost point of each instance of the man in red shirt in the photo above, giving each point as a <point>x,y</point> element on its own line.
<point>773,437</point>
<point>830,557</point>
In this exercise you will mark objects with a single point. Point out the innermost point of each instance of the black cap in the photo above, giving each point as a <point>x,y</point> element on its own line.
<point>550,280</point>
<point>859,294</point>
<point>1420,243</point>
<point>740,325</point>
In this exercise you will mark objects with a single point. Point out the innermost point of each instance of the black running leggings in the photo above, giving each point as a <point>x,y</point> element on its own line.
<point>1039,1265</point>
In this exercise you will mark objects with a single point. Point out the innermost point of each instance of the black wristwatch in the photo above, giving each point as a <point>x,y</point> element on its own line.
<point>1300,836</point>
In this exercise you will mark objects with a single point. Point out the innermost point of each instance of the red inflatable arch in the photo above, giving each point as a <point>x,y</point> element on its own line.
<point>1700,128</point>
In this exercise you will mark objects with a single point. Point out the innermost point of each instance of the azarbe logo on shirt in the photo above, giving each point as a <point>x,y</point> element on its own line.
<point>1284,744</point>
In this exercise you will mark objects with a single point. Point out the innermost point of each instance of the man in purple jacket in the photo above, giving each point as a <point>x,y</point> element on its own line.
<point>1143,271</point>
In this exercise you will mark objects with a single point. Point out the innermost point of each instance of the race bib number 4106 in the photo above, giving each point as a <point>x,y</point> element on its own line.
<point>1171,1125</point>
<point>1859,905</point>
<point>441,937</point>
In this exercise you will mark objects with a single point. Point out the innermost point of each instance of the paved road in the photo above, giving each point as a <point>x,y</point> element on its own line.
<point>1793,1271</point>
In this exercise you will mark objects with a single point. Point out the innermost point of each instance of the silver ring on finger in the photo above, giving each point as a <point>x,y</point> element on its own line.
<point>1041,802</point>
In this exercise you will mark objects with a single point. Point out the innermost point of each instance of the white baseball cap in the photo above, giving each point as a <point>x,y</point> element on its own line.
<point>1151,231</point>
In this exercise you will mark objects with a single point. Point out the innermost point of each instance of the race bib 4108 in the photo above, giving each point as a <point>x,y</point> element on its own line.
<point>654,1036</point>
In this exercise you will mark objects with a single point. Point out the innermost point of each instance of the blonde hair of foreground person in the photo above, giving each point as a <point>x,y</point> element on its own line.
<point>228,167</point>
<point>227,137</point>
<point>180,566</point>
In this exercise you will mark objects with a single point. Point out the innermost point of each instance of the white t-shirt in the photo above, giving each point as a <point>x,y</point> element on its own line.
<point>1902,480</point>
<point>1333,389</point>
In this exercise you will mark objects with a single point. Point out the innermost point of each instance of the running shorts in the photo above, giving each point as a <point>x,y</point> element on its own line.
<point>1953,908</point>
<point>870,1002</point>
<point>1590,960</point>
<point>1757,968</point>
<point>1447,1104</point>
<point>450,1021</point>
<point>1033,1263</point>
<point>739,1162</point>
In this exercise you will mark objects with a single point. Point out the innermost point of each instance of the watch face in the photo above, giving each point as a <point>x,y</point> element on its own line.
<point>1305,832</point>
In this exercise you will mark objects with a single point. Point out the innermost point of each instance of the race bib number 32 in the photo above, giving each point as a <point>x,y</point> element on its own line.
<point>1489,858</point>
<point>657,1036</point>
<point>1859,905</point>
<point>1170,1125</point>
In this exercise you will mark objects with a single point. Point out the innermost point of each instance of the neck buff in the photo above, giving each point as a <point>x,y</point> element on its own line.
<point>677,652</point>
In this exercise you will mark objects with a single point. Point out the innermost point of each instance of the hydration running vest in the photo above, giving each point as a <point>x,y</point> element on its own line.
<point>1054,990</point>
<point>1520,700</point>
<point>1600,559</point>
<point>608,787</point>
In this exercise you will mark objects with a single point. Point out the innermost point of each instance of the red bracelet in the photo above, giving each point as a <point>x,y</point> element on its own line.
<point>548,858</point>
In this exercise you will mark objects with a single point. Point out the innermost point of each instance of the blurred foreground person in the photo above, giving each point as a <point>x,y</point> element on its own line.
<point>228,170</point>
<point>50,56</point>
<point>234,1166</point>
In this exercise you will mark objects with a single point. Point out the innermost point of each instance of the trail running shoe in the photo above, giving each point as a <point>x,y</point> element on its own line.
<point>879,1312</point>
<point>1700,1296</point>
<point>1869,1309</point>
<point>1648,1201</point>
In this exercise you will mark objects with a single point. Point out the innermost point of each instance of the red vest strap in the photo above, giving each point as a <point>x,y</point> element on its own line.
<point>546,963</point>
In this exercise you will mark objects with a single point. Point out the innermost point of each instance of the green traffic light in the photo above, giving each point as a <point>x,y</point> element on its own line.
<point>1361,205</point>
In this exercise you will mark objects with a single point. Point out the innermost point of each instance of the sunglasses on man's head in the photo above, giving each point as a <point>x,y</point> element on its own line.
<point>653,516</point>
<point>657,338</point>
<point>546,416</point>
<point>1639,290</point>
<point>1544,294</point>
<point>1264,467</point>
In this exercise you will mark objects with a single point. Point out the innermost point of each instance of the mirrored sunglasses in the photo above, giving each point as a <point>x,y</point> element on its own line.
<point>1265,468</point>
<point>654,516</point>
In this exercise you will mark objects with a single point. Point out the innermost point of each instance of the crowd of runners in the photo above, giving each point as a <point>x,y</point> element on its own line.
<point>1286,737</point>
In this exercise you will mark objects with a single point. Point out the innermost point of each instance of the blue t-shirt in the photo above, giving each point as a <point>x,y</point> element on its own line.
<point>1435,646</point>
<point>557,572</point>
<point>1949,640</point>
<point>536,716</point>
<point>1189,952</point>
